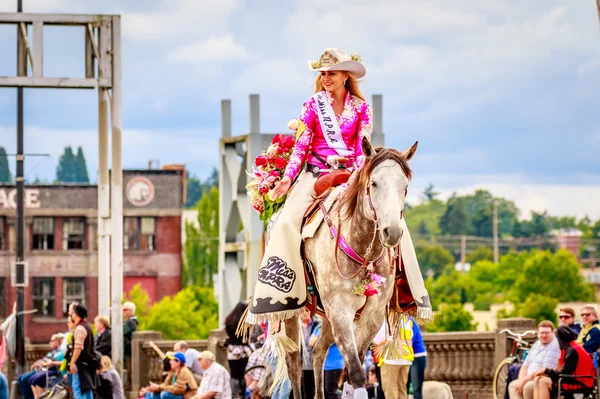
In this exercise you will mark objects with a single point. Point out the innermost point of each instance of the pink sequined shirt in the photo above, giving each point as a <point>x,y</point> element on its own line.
<point>355,123</point>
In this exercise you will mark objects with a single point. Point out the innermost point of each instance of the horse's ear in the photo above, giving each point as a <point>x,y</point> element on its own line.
<point>408,154</point>
<point>367,148</point>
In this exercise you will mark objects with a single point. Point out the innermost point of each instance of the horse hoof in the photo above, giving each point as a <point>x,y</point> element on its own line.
<point>361,393</point>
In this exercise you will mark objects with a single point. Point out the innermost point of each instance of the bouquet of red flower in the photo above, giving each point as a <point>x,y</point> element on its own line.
<point>267,170</point>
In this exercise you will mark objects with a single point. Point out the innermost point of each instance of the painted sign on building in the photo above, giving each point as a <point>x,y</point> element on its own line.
<point>8,198</point>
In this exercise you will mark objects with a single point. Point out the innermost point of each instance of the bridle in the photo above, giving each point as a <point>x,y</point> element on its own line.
<point>364,261</point>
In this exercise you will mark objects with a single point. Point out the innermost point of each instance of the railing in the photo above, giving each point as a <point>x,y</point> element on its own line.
<point>464,360</point>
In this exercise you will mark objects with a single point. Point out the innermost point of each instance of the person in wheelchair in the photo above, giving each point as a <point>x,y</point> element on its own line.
<point>575,361</point>
<point>33,383</point>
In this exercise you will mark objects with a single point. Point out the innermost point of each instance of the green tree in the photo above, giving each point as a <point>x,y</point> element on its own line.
<point>426,217</point>
<point>538,226</point>
<point>429,194</point>
<point>480,253</point>
<point>81,172</point>
<point>456,219</point>
<point>434,258</point>
<point>5,176</point>
<point>539,307</point>
<point>452,318</point>
<point>201,248</point>
<point>66,171</point>
<point>193,191</point>
<point>140,297</point>
<point>191,314</point>
<point>544,269</point>
<point>448,288</point>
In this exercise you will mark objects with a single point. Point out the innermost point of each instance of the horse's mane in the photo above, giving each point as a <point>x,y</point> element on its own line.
<point>351,196</point>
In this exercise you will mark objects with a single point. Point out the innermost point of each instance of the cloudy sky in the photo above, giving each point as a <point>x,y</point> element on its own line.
<point>502,95</point>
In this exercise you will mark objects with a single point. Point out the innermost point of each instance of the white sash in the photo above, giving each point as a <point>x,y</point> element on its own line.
<point>329,125</point>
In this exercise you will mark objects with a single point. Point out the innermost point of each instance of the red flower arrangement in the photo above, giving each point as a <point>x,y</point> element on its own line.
<point>267,170</point>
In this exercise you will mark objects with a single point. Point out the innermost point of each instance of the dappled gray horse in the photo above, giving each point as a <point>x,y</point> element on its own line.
<point>369,217</point>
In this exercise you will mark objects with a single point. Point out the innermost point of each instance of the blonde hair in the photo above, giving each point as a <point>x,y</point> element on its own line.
<point>106,363</point>
<point>351,85</point>
<point>102,320</point>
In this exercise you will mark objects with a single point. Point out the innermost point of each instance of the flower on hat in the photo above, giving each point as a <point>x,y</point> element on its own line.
<point>293,124</point>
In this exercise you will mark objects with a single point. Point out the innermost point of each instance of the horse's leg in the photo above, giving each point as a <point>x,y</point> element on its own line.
<point>319,354</point>
<point>294,360</point>
<point>342,322</point>
<point>366,333</point>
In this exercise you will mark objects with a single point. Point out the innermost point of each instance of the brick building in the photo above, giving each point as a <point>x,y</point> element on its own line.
<point>61,244</point>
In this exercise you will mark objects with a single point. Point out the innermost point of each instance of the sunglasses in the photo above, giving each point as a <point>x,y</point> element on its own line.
<point>585,314</point>
<point>564,317</point>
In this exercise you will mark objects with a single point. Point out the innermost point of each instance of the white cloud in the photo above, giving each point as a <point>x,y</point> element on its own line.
<point>213,49</point>
<point>557,199</point>
<point>181,19</point>
<point>187,146</point>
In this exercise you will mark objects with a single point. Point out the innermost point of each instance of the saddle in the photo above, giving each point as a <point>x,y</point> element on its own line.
<point>331,180</point>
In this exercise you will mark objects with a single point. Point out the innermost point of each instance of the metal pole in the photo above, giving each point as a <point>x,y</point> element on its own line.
<point>495,232</point>
<point>117,202</point>
<point>103,206</point>
<point>20,291</point>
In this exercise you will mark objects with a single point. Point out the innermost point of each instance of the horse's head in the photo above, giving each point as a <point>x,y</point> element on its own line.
<point>379,190</point>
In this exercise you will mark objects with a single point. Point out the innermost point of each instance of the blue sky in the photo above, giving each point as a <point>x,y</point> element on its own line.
<point>501,95</point>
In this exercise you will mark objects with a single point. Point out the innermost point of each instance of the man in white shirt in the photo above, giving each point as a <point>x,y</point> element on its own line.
<point>216,381</point>
<point>545,353</point>
<point>192,359</point>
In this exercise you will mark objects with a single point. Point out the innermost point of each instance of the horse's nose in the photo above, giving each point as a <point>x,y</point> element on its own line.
<point>392,236</point>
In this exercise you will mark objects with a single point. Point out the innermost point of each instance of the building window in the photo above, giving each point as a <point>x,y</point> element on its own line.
<point>73,233</point>
<point>148,233</point>
<point>43,296</point>
<point>3,229</point>
<point>139,233</point>
<point>43,233</point>
<point>73,291</point>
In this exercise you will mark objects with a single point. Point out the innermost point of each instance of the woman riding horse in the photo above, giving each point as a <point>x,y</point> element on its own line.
<point>331,126</point>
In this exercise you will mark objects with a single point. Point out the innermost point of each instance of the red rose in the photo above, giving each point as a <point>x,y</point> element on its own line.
<point>280,163</point>
<point>289,142</point>
<point>278,139</point>
<point>274,173</point>
<point>260,161</point>
<point>264,190</point>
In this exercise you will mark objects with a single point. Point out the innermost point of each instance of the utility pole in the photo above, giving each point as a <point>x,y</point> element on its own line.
<point>20,260</point>
<point>495,231</point>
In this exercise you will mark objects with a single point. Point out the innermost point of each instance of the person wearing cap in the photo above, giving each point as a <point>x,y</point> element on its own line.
<point>216,381</point>
<point>331,129</point>
<point>179,383</point>
<point>192,359</point>
<point>82,360</point>
<point>32,384</point>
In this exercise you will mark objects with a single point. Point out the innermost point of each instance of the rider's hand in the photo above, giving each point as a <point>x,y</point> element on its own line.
<point>281,188</point>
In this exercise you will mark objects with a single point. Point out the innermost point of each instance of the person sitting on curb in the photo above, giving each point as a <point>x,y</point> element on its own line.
<point>544,354</point>
<point>179,384</point>
<point>216,381</point>
<point>576,362</point>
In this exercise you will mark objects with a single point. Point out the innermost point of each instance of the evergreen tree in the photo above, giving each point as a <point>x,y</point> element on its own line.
<point>4,169</point>
<point>66,171</point>
<point>81,167</point>
<point>429,194</point>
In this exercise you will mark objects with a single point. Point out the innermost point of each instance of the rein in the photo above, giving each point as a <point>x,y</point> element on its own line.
<point>340,242</point>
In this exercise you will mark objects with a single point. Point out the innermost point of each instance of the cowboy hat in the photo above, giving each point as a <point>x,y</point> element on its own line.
<point>335,59</point>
